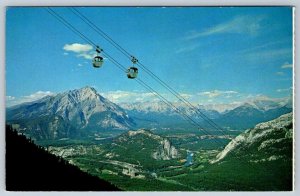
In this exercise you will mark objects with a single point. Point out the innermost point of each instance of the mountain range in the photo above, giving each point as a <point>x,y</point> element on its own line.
<point>231,116</point>
<point>78,112</point>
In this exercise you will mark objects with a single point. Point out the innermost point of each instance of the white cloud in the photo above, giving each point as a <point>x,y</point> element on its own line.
<point>217,93</point>
<point>185,95</point>
<point>10,100</point>
<point>287,65</point>
<point>88,56</point>
<point>128,96</point>
<point>78,48</point>
<point>37,95</point>
<point>284,90</point>
<point>82,50</point>
<point>240,25</point>
<point>79,65</point>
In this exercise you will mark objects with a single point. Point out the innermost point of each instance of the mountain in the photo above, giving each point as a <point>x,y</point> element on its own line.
<point>31,168</point>
<point>265,103</point>
<point>77,112</point>
<point>267,141</point>
<point>157,114</point>
<point>68,114</point>
<point>232,116</point>
<point>248,115</point>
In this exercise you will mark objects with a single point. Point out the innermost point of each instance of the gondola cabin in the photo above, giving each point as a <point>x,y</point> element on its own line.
<point>97,61</point>
<point>132,72</point>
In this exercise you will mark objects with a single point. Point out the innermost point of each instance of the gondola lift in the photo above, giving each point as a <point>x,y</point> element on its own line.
<point>132,72</point>
<point>98,60</point>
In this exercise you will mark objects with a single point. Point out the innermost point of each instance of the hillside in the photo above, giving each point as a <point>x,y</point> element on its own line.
<point>31,168</point>
<point>261,159</point>
<point>267,141</point>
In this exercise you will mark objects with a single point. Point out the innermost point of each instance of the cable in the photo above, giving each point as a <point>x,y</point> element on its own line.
<point>100,32</point>
<point>127,54</point>
<point>70,26</point>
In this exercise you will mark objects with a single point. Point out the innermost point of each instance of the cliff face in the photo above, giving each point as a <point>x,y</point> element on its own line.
<point>163,149</point>
<point>166,151</point>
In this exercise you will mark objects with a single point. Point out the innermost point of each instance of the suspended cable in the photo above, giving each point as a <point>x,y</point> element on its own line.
<point>71,27</point>
<point>127,54</point>
<point>100,32</point>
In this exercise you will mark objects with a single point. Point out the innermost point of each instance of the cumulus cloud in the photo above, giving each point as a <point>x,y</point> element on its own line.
<point>82,50</point>
<point>185,95</point>
<point>286,65</point>
<point>239,25</point>
<point>78,48</point>
<point>10,100</point>
<point>217,93</point>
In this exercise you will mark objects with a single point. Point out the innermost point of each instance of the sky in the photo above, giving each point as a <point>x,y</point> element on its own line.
<point>208,54</point>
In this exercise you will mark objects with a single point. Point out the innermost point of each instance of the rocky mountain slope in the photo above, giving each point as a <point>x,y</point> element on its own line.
<point>63,114</point>
<point>267,141</point>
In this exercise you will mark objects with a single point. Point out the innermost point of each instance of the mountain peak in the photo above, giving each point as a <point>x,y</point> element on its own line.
<point>88,88</point>
<point>79,95</point>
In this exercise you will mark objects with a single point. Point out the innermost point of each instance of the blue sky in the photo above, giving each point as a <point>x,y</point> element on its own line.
<point>209,54</point>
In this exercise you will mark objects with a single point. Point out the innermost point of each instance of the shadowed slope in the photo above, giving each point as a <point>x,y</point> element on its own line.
<point>31,168</point>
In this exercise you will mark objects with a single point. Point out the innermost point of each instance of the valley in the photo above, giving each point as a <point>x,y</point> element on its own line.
<point>150,148</point>
<point>248,162</point>
<point>130,165</point>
